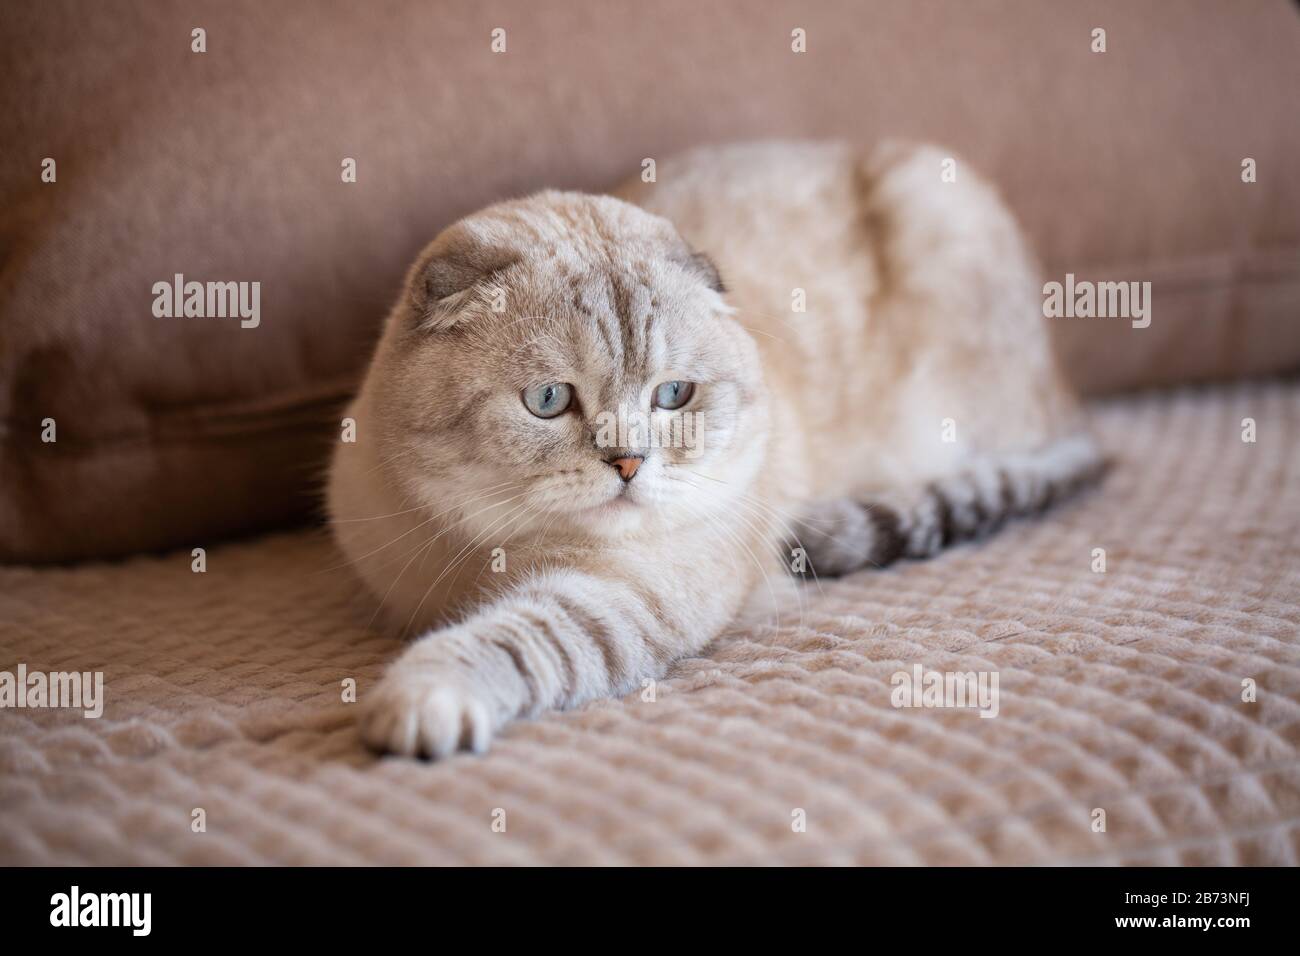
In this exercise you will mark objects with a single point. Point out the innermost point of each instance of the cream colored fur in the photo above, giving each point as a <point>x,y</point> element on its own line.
<point>532,576</point>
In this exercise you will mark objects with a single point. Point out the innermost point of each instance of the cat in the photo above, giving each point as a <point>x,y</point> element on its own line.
<point>857,342</point>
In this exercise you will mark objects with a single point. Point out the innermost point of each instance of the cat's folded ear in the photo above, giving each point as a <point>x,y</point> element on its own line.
<point>700,265</point>
<point>459,263</point>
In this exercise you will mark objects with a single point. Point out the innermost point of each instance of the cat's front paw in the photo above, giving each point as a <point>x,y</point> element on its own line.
<point>426,712</point>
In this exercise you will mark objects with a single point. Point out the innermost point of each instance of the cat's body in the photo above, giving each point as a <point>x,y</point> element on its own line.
<point>913,401</point>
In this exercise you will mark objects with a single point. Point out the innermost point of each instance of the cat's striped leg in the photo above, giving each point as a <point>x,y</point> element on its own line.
<point>558,639</point>
<point>873,530</point>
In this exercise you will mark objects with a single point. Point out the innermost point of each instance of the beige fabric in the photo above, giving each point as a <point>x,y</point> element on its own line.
<point>1119,690</point>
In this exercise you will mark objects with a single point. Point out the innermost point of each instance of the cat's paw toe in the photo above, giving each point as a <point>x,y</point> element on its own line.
<point>420,715</point>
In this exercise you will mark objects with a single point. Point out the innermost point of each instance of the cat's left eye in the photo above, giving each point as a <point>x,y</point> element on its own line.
<point>672,395</point>
<point>547,401</point>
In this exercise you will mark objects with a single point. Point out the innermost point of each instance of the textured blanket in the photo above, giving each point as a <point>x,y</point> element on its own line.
<point>1146,713</point>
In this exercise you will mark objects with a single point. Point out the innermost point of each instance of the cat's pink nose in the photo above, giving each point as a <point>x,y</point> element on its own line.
<point>627,466</point>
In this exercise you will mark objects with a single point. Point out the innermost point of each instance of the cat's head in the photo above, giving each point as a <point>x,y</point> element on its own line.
<point>567,363</point>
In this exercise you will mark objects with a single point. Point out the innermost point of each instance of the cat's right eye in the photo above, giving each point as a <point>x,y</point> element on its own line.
<point>547,401</point>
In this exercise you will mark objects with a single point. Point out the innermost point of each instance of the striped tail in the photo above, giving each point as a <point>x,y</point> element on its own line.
<point>849,534</point>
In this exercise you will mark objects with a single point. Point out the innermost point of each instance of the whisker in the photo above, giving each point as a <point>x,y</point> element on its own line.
<point>456,560</point>
<point>353,562</point>
<point>394,514</point>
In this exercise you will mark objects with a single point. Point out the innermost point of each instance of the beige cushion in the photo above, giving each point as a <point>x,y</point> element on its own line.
<point>1120,691</point>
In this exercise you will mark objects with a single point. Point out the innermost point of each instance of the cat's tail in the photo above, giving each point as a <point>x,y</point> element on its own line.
<point>842,536</point>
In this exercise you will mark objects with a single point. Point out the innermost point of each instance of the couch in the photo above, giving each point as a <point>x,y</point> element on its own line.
<point>1145,634</point>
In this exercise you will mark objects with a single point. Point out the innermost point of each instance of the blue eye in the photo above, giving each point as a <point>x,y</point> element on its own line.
<point>547,401</point>
<point>672,395</point>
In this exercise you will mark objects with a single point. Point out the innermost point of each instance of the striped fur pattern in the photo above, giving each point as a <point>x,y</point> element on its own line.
<point>872,531</point>
<point>559,639</point>
<point>871,374</point>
